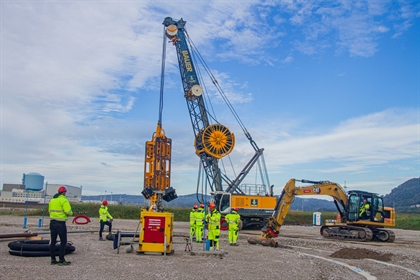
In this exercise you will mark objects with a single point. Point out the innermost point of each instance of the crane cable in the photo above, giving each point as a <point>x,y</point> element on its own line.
<point>212,115</point>
<point>162,77</point>
<point>197,54</point>
<point>221,92</point>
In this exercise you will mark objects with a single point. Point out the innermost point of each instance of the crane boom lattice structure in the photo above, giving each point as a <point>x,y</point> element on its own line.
<point>214,141</point>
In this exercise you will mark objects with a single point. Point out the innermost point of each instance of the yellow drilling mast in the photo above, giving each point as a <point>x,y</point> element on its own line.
<point>157,169</point>
<point>157,226</point>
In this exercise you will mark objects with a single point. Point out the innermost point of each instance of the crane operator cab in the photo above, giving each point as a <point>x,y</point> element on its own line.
<point>222,200</point>
<point>365,206</point>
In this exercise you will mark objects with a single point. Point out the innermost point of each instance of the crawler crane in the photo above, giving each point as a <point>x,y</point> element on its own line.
<point>213,141</point>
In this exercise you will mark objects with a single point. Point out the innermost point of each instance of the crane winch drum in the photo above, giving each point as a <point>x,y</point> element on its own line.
<point>215,140</point>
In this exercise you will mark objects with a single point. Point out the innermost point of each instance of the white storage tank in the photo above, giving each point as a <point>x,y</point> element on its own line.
<point>317,218</point>
<point>33,181</point>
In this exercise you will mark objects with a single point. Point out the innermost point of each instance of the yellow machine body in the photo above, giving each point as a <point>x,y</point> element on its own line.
<point>156,235</point>
<point>254,202</point>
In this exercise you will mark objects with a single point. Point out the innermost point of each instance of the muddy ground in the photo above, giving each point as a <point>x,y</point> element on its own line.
<point>302,254</point>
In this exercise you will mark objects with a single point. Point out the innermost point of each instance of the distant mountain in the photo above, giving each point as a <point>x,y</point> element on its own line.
<point>187,201</point>
<point>405,197</point>
<point>181,201</point>
<point>312,204</point>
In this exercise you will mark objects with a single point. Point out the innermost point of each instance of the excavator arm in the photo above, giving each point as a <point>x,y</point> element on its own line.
<point>290,190</point>
<point>352,225</point>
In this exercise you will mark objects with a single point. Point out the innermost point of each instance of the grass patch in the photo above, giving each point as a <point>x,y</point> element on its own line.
<point>409,221</point>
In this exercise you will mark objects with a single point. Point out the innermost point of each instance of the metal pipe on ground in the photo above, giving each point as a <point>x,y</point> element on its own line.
<point>83,231</point>
<point>12,235</point>
<point>71,231</point>
<point>32,234</point>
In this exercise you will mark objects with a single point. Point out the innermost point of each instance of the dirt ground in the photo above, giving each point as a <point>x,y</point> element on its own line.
<point>302,254</point>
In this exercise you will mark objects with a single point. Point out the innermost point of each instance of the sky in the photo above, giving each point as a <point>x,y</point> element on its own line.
<point>329,89</point>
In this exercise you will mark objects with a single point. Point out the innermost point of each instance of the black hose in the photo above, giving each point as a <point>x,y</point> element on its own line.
<point>35,248</point>
<point>69,249</point>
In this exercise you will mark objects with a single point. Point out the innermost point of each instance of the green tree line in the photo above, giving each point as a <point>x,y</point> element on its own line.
<point>409,221</point>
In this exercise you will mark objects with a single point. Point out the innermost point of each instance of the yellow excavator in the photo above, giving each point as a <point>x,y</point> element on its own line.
<point>363,214</point>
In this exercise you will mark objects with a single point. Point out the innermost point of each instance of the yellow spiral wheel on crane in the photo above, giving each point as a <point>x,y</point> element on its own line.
<point>217,140</point>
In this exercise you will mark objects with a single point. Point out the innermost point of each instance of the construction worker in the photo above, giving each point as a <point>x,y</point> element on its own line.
<point>60,209</point>
<point>103,219</point>
<point>213,220</point>
<point>192,221</point>
<point>199,221</point>
<point>364,210</point>
<point>233,219</point>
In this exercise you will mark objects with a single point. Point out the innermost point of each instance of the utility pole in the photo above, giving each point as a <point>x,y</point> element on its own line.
<point>45,198</point>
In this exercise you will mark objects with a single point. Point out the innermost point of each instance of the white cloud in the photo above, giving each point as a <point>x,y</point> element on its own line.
<point>369,140</point>
<point>73,71</point>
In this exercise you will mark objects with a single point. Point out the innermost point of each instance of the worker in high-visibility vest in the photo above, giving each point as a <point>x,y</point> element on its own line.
<point>192,221</point>
<point>199,223</point>
<point>213,220</point>
<point>364,210</point>
<point>60,209</point>
<point>233,219</point>
<point>105,219</point>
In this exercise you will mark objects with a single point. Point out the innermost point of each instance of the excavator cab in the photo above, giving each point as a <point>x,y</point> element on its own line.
<point>365,206</point>
<point>354,208</point>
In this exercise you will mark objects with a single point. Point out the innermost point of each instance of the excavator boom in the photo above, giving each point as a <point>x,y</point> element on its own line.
<point>349,205</point>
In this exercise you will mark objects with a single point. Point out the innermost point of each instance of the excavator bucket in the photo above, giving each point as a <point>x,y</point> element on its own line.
<point>263,241</point>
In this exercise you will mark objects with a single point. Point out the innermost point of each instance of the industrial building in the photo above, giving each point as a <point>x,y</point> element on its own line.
<point>32,191</point>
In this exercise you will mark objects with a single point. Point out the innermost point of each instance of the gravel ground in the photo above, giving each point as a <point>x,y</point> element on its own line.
<point>302,254</point>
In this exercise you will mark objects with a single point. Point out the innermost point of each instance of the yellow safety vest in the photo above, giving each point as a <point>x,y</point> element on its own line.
<point>199,216</point>
<point>59,208</point>
<point>192,217</point>
<point>233,219</point>
<point>214,220</point>
<point>364,208</point>
<point>104,214</point>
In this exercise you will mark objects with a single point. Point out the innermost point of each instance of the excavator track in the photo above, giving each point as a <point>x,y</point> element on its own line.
<point>347,232</point>
<point>384,235</point>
